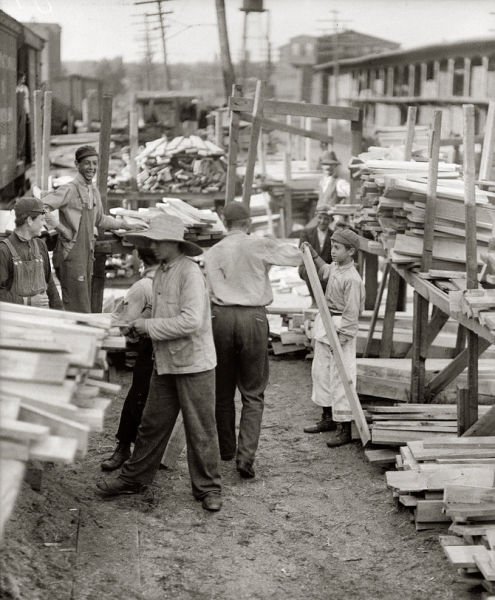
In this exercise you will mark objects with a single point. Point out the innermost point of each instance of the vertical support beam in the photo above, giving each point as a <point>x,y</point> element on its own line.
<point>466,417</point>
<point>287,168</point>
<point>356,145</point>
<point>382,78</point>
<point>485,62</point>
<point>431,193</point>
<point>308,125</point>
<point>466,90</point>
<point>233,149</point>
<point>436,76</point>
<point>410,127</point>
<point>219,128</point>
<point>261,155</point>
<point>487,172</point>
<point>370,279</point>
<point>389,88</point>
<point>411,72</point>
<point>98,282</point>
<point>47,126</point>
<point>450,77</point>
<point>420,328</point>
<point>472,379</point>
<point>423,74</point>
<point>460,340</point>
<point>300,141</point>
<point>287,210</point>
<point>38,135</point>
<point>390,309</point>
<point>376,310</point>
<point>324,87</point>
<point>133,146</point>
<point>253,142</point>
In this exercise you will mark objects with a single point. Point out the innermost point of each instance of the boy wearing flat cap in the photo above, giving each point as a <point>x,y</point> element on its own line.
<point>345,298</point>
<point>25,272</point>
<point>80,213</point>
<point>183,378</point>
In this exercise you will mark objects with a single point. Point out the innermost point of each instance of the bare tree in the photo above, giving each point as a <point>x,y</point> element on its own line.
<point>227,66</point>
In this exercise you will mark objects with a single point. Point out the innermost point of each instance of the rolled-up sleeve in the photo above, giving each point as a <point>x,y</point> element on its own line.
<point>191,307</point>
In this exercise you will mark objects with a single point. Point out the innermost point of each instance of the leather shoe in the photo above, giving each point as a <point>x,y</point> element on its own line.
<point>118,487</point>
<point>245,471</point>
<point>121,453</point>
<point>212,502</point>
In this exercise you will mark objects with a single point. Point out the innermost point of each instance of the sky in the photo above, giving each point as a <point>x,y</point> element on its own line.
<point>96,29</point>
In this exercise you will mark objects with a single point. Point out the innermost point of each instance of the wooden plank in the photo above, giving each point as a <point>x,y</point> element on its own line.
<point>464,417</point>
<point>11,477</point>
<point>356,149</point>
<point>47,125</point>
<point>21,431</point>
<point>233,148</point>
<point>485,561</point>
<point>272,125</point>
<point>331,333</point>
<point>39,391</point>
<point>413,481</point>
<point>464,442</point>
<point>463,557</point>
<point>20,365</point>
<point>420,326</point>
<point>390,309</point>
<point>485,425</point>
<point>38,136</point>
<point>257,113</point>
<point>421,453</point>
<point>487,165</point>
<point>468,494</point>
<point>381,457</point>
<point>376,309</point>
<point>430,511</point>
<point>297,109</point>
<point>384,435</point>
<point>410,129</point>
<point>176,444</point>
<point>431,192</point>
<point>54,449</point>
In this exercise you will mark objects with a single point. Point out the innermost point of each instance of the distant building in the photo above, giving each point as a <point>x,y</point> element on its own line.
<point>442,75</point>
<point>294,72</point>
<point>51,66</point>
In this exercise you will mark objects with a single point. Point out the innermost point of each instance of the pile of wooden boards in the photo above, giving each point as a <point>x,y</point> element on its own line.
<point>51,368</point>
<point>200,224</point>
<point>480,304</point>
<point>183,164</point>
<point>393,199</point>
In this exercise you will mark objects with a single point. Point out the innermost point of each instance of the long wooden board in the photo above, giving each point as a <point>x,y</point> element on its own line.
<point>297,109</point>
<point>330,330</point>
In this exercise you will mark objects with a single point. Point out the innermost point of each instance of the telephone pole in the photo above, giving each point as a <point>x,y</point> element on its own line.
<point>161,14</point>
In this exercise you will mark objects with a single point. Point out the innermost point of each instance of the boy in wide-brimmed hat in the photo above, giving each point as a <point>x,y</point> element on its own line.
<point>345,298</point>
<point>184,375</point>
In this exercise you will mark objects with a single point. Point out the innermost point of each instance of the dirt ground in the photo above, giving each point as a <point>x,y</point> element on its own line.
<point>315,523</point>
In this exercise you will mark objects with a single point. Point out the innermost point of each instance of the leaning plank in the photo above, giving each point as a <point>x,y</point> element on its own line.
<point>357,411</point>
<point>485,425</point>
<point>176,444</point>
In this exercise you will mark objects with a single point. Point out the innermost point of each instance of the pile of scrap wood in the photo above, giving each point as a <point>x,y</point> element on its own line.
<point>398,425</point>
<point>51,368</point>
<point>183,164</point>
<point>393,199</point>
<point>427,468</point>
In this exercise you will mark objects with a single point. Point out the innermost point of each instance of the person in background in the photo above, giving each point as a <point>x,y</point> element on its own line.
<point>80,213</point>
<point>318,237</point>
<point>237,276</point>
<point>183,377</point>
<point>25,271</point>
<point>332,189</point>
<point>23,119</point>
<point>345,297</point>
<point>136,304</point>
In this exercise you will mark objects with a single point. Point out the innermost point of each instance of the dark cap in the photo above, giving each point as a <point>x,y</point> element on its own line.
<point>329,158</point>
<point>85,151</point>
<point>28,207</point>
<point>346,237</point>
<point>235,211</point>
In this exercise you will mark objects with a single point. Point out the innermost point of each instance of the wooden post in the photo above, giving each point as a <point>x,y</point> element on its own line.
<point>219,128</point>
<point>98,282</point>
<point>356,146</point>
<point>450,77</point>
<point>333,338</point>
<point>261,155</point>
<point>410,79</point>
<point>253,142</point>
<point>307,125</point>
<point>431,192</point>
<point>466,417</point>
<point>389,90</point>
<point>47,125</point>
<point>423,72</point>
<point>233,148</point>
<point>389,319</point>
<point>466,91</point>
<point>420,327</point>
<point>370,279</point>
<point>287,211</point>
<point>410,127</point>
<point>487,165</point>
<point>133,146</point>
<point>38,135</point>
<point>471,250</point>
<point>376,310</point>
<point>485,62</point>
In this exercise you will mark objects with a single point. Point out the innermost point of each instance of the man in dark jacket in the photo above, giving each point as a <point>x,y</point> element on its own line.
<point>319,238</point>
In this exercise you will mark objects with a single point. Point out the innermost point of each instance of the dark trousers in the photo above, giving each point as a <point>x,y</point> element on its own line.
<point>130,417</point>
<point>194,395</point>
<point>241,342</point>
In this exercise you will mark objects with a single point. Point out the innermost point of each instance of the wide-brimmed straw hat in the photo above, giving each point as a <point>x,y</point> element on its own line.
<point>164,228</point>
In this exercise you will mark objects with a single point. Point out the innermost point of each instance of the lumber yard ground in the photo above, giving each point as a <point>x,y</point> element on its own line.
<point>315,523</point>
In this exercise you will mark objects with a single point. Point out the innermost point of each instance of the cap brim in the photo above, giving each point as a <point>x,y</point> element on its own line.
<point>144,239</point>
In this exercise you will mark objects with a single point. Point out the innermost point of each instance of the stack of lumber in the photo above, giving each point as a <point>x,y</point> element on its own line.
<point>200,224</point>
<point>470,547</point>
<point>183,164</point>
<point>427,468</point>
<point>480,304</point>
<point>398,425</point>
<point>51,368</point>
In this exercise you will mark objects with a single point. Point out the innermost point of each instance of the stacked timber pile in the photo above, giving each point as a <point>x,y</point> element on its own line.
<point>51,369</point>
<point>183,164</point>
<point>480,304</point>
<point>201,225</point>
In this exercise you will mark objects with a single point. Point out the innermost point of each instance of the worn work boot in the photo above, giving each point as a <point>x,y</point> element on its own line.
<point>121,453</point>
<point>341,436</point>
<point>326,423</point>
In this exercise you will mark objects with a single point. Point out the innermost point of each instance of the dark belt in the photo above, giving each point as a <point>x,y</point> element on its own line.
<point>234,306</point>
<point>335,314</point>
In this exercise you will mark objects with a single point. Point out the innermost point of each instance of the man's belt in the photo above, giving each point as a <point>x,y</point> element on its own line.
<point>335,313</point>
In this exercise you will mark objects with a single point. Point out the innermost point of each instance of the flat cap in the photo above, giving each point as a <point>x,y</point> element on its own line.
<point>235,211</point>
<point>346,237</point>
<point>85,151</point>
<point>28,207</point>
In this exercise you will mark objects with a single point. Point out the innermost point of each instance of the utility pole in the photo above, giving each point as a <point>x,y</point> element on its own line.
<point>225,57</point>
<point>161,14</point>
